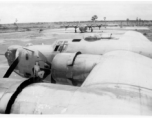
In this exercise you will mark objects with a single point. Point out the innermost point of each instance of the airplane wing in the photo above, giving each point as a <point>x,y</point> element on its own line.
<point>119,84</point>
<point>133,36</point>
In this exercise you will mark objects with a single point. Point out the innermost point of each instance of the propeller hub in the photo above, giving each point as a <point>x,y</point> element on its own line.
<point>10,54</point>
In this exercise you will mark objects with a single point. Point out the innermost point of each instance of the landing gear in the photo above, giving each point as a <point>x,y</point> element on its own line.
<point>75,30</point>
<point>91,30</point>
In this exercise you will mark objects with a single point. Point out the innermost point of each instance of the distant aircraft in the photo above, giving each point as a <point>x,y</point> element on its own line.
<point>82,27</point>
<point>100,77</point>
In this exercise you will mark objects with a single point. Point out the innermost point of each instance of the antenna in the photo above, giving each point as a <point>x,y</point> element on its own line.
<point>15,23</point>
<point>16,20</point>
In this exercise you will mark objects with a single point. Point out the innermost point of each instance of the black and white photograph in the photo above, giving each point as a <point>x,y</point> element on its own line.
<point>76,58</point>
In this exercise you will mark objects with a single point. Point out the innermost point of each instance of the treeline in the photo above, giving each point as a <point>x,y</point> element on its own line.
<point>118,22</point>
<point>52,25</point>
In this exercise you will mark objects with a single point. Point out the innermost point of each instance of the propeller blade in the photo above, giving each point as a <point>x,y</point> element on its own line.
<point>17,92</point>
<point>11,68</point>
<point>52,80</point>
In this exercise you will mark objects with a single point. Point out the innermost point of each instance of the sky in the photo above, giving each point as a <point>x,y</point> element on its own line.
<point>51,11</point>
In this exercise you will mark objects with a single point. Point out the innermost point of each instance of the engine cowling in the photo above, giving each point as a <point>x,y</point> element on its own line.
<point>28,56</point>
<point>67,68</point>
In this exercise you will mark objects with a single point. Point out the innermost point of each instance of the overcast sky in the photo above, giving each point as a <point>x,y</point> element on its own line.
<point>49,11</point>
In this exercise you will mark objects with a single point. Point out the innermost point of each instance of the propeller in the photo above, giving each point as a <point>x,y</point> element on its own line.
<point>11,68</point>
<point>18,91</point>
<point>40,57</point>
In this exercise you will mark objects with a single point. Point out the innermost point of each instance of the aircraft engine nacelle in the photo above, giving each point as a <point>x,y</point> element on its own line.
<point>70,68</point>
<point>27,58</point>
<point>83,29</point>
<point>10,54</point>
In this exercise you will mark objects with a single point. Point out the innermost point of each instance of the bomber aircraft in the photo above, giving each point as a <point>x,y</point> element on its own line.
<point>82,27</point>
<point>104,76</point>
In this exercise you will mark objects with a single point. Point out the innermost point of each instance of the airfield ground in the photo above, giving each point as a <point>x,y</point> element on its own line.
<point>48,36</point>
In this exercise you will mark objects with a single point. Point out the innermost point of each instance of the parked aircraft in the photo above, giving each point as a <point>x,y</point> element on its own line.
<point>101,77</point>
<point>82,27</point>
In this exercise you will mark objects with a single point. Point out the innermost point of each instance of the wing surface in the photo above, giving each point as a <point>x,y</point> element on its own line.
<point>119,84</point>
<point>134,36</point>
